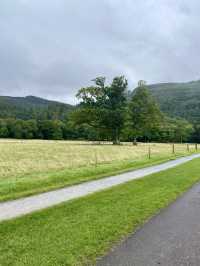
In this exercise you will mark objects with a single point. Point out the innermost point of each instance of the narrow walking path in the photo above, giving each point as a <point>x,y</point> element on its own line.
<point>169,239</point>
<point>30,204</point>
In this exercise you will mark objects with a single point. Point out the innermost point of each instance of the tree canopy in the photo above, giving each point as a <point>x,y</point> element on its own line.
<point>144,115</point>
<point>103,106</point>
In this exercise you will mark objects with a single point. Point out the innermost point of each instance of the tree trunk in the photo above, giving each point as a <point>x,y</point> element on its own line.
<point>116,140</point>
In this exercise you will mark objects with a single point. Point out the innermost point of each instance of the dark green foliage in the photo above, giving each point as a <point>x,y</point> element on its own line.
<point>196,134</point>
<point>3,129</point>
<point>174,130</point>
<point>144,116</point>
<point>11,128</point>
<point>51,129</point>
<point>44,129</point>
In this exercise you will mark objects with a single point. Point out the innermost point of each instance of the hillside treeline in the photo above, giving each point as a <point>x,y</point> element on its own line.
<point>106,112</point>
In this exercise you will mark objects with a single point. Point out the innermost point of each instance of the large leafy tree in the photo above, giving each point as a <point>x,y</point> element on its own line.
<point>102,107</point>
<point>144,115</point>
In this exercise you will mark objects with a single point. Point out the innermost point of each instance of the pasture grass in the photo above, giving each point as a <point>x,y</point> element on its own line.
<point>31,167</point>
<point>80,231</point>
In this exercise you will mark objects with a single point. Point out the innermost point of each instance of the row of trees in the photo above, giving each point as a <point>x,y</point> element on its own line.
<point>44,129</point>
<point>171,130</point>
<point>29,129</point>
<point>107,112</point>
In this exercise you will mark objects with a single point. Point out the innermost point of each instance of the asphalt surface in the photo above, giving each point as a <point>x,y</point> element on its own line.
<point>172,238</point>
<point>15,208</point>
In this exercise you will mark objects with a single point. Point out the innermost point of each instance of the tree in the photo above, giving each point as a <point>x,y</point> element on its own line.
<point>196,134</point>
<point>3,129</point>
<point>29,129</point>
<point>103,107</point>
<point>144,115</point>
<point>175,130</point>
<point>183,130</point>
<point>17,129</point>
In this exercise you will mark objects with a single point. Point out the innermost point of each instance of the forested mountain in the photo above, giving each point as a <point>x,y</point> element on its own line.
<point>179,99</point>
<point>32,107</point>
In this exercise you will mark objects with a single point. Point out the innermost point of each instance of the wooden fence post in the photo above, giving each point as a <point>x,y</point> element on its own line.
<point>196,146</point>
<point>173,148</point>
<point>95,158</point>
<point>188,147</point>
<point>149,153</point>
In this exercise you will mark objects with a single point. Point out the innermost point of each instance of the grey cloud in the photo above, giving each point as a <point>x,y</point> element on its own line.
<point>51,48</point>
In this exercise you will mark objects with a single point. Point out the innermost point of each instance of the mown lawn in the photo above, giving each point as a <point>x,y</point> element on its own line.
<point>31,167</point>
<point>77,232</point>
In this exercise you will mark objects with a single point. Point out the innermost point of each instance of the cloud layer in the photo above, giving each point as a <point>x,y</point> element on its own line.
<point>51,48</point>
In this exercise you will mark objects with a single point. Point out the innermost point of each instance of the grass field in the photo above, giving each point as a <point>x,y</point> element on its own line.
<point>76,233</point>
<point>30,167</point>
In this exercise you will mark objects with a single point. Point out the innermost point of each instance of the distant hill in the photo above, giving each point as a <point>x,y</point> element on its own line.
<point>32,107</point>
<point>178,99</point>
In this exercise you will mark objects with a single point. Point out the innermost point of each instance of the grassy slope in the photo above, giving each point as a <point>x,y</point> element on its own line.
<point>31,184</point>
<point>75,233</point>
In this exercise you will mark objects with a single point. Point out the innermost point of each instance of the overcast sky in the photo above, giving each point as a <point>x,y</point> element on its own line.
<point>50,48</point>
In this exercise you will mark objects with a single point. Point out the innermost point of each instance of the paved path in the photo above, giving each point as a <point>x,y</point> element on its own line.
<point>30,204</point>
<point>172,238</point>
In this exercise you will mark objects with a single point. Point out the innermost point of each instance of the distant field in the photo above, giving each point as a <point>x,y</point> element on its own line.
<point>29,167</point>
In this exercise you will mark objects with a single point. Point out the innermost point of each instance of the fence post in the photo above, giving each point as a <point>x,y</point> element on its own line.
<point>95,158</point>
<point>149,153</point>
<point>188,147</point>
<point>196,147</point>
<point>173,148</point>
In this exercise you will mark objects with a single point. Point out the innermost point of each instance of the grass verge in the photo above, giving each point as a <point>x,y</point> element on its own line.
<point>76,233</point>
<point>35,183</point>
